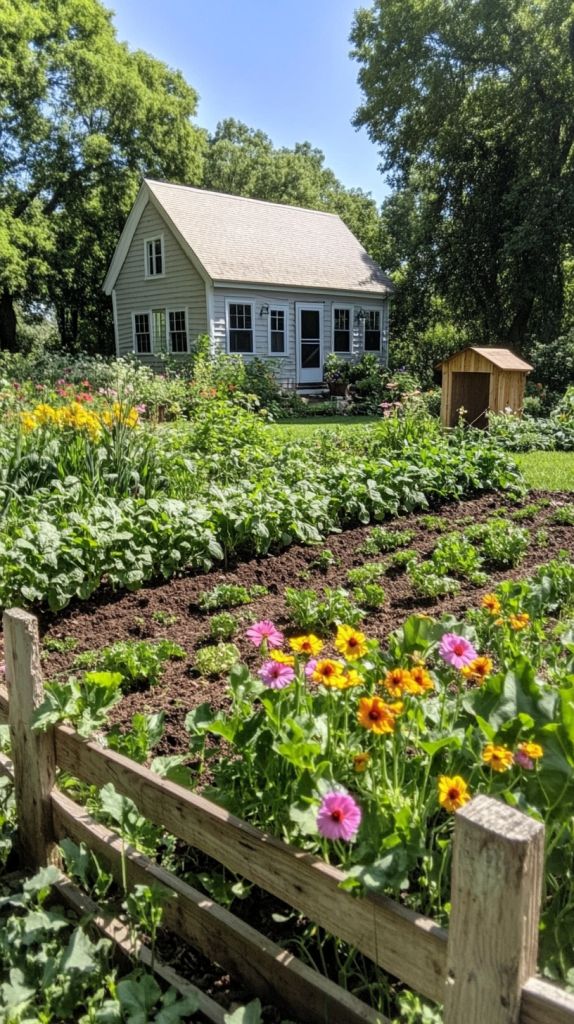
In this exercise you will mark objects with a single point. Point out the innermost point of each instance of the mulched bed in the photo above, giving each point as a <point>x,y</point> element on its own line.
<point>109,617</point>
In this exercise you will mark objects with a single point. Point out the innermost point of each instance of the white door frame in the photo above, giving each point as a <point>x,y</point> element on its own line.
<point>315,374</point>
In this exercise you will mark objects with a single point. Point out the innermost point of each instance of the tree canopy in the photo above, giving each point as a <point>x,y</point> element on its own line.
<point>471,103</point>
<point>82,118</point>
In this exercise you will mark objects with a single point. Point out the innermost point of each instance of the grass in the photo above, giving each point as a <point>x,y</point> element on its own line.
<point>300,426</point>
<point>548,471</point>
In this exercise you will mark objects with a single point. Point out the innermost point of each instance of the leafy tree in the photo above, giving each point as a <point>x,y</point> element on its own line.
<point>472,105</point>
<point>82,119</point>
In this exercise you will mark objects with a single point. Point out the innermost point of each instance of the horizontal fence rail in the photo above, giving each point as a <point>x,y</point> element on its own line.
<point>482,969</point>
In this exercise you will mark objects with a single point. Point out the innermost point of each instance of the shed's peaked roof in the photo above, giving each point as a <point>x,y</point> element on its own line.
<point>248,241</point>
<point>501,357</point>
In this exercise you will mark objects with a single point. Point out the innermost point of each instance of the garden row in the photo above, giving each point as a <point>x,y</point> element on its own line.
<point>362,755</point>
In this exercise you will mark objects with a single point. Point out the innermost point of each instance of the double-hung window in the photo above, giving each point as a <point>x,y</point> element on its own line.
<point>373,332</point>
<point>240,327</point>
<point>154,257</point>
<point>142,333</point>
<point>278,330</point>
<point>342,328</point>
<point>177,321</point>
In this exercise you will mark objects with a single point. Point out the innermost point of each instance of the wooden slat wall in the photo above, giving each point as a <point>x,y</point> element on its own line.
<point>506,386</point>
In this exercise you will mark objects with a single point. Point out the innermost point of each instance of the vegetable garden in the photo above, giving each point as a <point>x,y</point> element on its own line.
<point>338,644</point>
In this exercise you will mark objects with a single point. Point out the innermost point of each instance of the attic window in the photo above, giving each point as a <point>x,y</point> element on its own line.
<point>240,326</point>
<point>154,261</point>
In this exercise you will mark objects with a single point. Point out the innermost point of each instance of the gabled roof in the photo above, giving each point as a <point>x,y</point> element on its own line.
<point>249,241</point>
<point>501,357</point>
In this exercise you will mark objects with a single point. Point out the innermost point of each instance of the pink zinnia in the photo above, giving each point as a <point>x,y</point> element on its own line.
<point>310,667</point>
<point>275,675</point>
<point>456,651</point>
<point>265,631</point>
<point>339,816</point>
<point>523,760</point>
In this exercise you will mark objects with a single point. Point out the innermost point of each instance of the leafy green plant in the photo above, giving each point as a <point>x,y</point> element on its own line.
<point>59,645</point>
<point>527,512</point>
<point>223,626</point>
<point>309,612</point>
<point>542,537</point>
<point>164,618</point>
<point>370,595</point>
<point>457,555</point>
<point>216,659</point>
<point>324,560</point>
<point>400,560</point>
<point>501,543</point>
<point>229,595</point>
<point>564,516</point>
<point>145,733</point>
<point>389,540</point>
<point>428,582</point>
<point>85,702</point>
<point>137,661</point>
<point>435,524</point>
<point>370,572</point>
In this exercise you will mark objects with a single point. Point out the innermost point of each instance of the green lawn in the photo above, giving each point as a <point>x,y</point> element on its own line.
<point>291,430</point>
<point>548,471</point>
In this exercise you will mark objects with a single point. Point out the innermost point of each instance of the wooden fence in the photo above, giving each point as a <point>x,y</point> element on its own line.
<point>482,969</point>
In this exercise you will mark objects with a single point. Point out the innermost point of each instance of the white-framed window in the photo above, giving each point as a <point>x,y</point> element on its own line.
<point>141,327</point>
<point>373,330</point>
<point>177,330</point>
<point>278,330</point>
<point>342,328</point>
<point>154,257</point>
<point>240,326</point>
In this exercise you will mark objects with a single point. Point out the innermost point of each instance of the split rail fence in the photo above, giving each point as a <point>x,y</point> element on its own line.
<point>482,969</point>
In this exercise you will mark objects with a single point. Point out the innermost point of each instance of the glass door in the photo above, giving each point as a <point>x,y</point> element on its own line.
<point>309,343</point>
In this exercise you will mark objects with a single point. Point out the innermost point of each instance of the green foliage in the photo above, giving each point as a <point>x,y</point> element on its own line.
<point>402,559</point>
<point>223,626</point>
<point>136,661</point>
<point>370,596</point>
<point>382,539</point>
<point>216,659</point>
<point>84,703</point>
<point>229,595</point>
<point>369,572</point>
<point>501,543</point>
<point>309,612</point>
<point>324,560</point>
<point>428,582</point>
<point>59,645</point>
<point>465,137</point>
<point>145,733</point>
<point>564,516</point>
<point>455,554</point>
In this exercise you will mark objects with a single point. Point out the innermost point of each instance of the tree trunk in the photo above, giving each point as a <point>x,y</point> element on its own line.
<point>7,322</point>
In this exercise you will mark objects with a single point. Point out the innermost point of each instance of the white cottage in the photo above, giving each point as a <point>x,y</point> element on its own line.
<point>262,279</point>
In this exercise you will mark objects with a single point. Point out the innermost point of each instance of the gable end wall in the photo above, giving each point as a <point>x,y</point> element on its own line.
<point>181,288</point>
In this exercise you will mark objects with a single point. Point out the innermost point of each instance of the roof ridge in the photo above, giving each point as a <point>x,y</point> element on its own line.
<point>243,199</point>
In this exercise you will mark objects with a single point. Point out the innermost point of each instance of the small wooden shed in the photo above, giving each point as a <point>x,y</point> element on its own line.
<point>481,380</point>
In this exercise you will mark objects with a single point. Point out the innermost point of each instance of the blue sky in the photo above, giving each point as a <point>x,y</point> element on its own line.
<point>278,65</point>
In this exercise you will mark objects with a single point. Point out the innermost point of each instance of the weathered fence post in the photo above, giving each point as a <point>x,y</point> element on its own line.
<point>498,861</point>
<point>32,752</point>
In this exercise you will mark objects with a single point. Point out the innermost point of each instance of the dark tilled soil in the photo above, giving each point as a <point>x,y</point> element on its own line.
<point>108,617</point>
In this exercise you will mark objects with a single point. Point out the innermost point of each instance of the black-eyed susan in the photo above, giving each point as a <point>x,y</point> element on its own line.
<point>491,604</point>
<point>309,645</point>
<point>421,679</point>
<point>378,716</point>
<point>478,670</point>
<point>361,762</point>
<point>329,673</point>
<point>351,643</point>
<point>452,792</point>
<point>398,681</point>
<point>520,621</point>
<point>498,757</point>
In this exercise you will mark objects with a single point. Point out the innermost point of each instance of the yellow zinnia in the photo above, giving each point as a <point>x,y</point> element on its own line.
<point>498,757</point>
<point>452,792</point>
<point>350,643</point>
<point>309,645</point>
<point>532,750</point>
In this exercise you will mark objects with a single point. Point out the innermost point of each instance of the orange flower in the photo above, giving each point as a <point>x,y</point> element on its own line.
<point>478,670</point>
<point>361,761</point>
<point>329,673</point>
<point>350,643</point>
<point>421,678</point>
<point>517,622</point>
<point>376,715</point>
<point>452,792</point>
<point>491,603</point>
<point>398,681</point>
<point>498,757</point>
<point>309,645</point>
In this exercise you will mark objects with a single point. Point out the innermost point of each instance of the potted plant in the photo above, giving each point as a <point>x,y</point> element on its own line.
<point>336,375</point>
